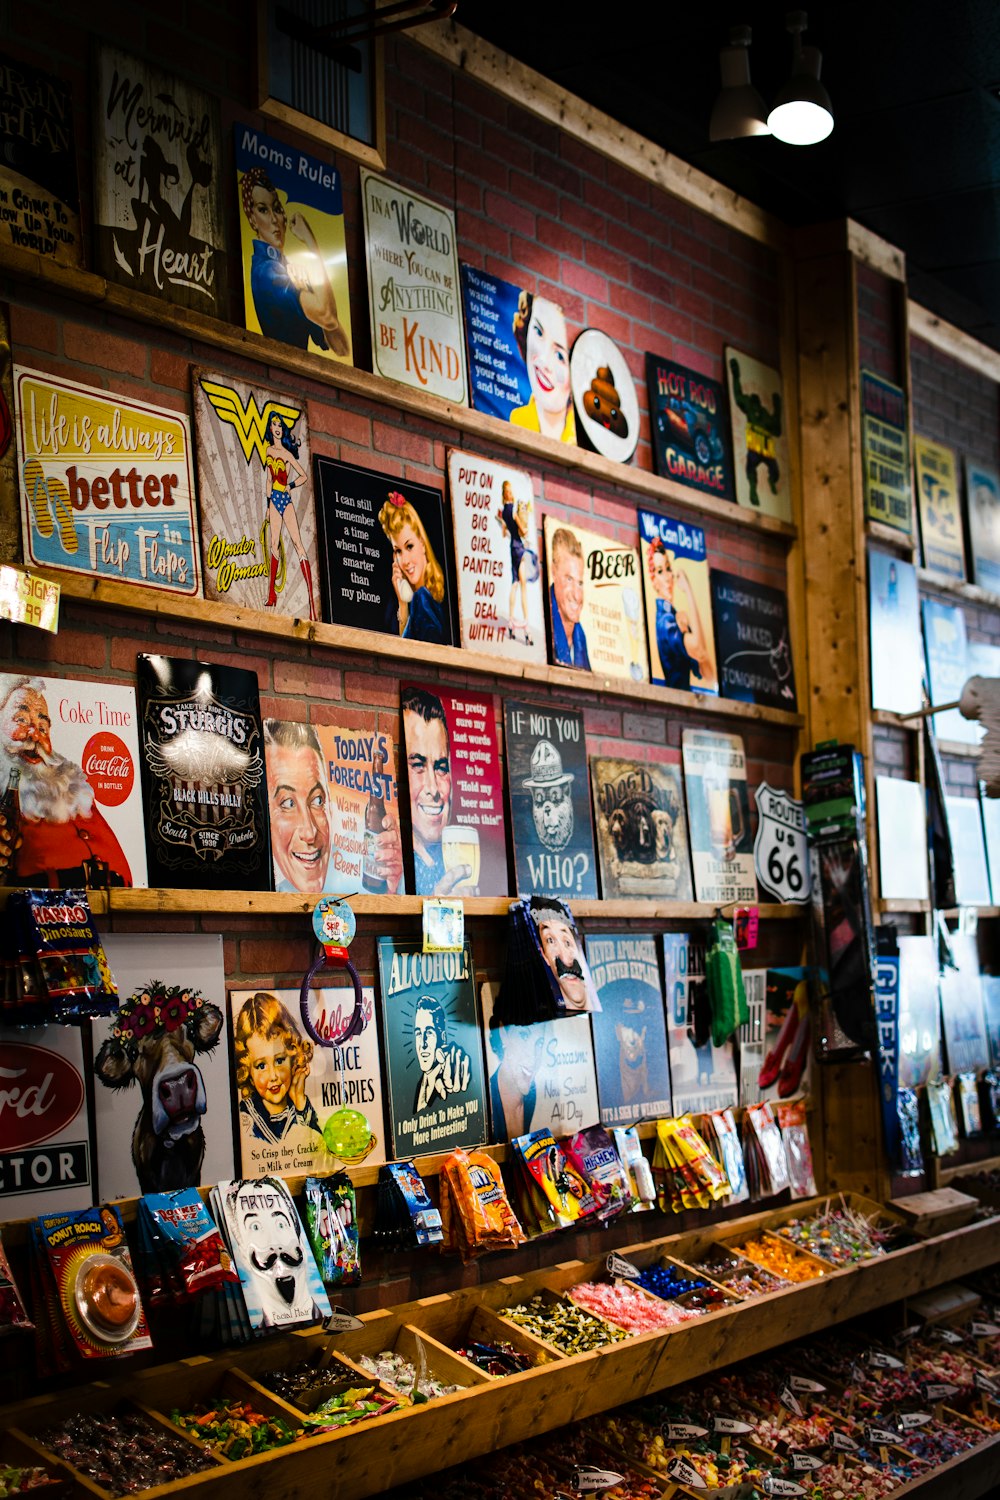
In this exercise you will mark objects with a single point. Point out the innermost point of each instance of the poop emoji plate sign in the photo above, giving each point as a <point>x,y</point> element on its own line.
<point>607,408</point>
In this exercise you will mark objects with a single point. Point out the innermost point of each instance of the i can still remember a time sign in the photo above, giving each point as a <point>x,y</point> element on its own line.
<point>106,485</point>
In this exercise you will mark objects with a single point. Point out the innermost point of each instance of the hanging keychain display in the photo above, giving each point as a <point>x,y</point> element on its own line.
<point>347,1133</point>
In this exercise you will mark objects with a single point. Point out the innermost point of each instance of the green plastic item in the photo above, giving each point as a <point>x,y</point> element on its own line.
<point>724,977</point>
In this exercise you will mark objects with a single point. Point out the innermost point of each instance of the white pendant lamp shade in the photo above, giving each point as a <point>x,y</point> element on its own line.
<point>802,114</point>
<point>739,109</point>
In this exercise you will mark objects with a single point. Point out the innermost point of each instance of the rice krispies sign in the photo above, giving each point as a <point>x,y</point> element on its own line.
<point>106,485</point>
<point>413,290</point>
<point>287,1089</point>
<point>74,747</point>
<point>500,598</point>
<point>45,1161</point>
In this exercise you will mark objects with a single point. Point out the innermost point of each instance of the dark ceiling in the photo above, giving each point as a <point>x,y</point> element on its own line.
<point>915,151</point>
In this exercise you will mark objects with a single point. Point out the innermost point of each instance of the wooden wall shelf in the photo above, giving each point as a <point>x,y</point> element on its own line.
<point>407,1445</point>
<point>958,587</point>
<point>87,287</point>
<point>156,604</point>
<point>888,536</point>
<point>275,903</point>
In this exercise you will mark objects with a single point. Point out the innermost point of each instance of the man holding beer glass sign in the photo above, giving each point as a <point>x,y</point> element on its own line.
<point>445,855</point>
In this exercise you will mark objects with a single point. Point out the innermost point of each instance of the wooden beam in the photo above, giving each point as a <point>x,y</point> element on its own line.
<point>540,96</point>
<point>953,341</point>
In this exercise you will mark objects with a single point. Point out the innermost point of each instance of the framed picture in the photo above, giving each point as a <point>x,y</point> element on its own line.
<point>982,505</point>
<point>416,317</point>
<point>549,796</point>
<point>718,808</point>
<point>41,195</point>
<point>541,1077</point>
<point>385,553</point>
<point>501,608</point>
<point>941,532</point>
<point>642,839</point>
<point>885,453</point>
<point>752,641</point>
<point>158,220</point>
<point>689,427</point>
<point>678,599</point>
<point>760,442</point>
<point>595,620</point>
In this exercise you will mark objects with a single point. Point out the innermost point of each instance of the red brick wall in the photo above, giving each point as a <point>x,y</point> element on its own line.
<point>531,205</point>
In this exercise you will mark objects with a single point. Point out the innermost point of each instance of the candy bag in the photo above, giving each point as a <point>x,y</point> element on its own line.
<point>798,1151</point>
<point>475,1214</point>
<point>332,1217</point>
<point>593,1153</point>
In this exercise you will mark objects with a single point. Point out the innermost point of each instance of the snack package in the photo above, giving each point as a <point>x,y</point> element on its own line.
<point>332,1217</point>
<point>13,1314</point>
<point>798,1151</point>
<point>83,1270</point>
<point>719,1128</point>
<point>944,1125</point>
<point>764,1152</point>
<point>629,1148</point>
<point>911,1150</point>
<point>593,1153</point>
<point>970,1113</point>
<point>405,1217</point>
<point>57,930</point>
<point>724,978</point>
<point>475,1214</point>
<point>182,1255</point>
<point>560,1195</point>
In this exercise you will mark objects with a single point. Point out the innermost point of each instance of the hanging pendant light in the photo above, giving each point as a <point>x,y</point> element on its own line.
<point>739,110</point>
<point>802,114</point>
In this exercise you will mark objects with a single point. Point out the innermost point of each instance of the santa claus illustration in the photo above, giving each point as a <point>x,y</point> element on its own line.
<point>61,838</point>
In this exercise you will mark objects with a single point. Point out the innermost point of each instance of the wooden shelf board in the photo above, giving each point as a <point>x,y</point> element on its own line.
<point>952,913</point>
<point>888,536</point>
<point>971,1476</point>
<point>88,287</point>
<point>960,587</point>
<point>163,606</point>
<point>900,906</point>
<point>277,903</point>
<point>959,749</point>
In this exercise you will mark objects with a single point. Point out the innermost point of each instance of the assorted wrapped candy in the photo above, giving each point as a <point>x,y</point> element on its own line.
<point>123,1452</point>
<point>235,1429</point>
<point>568,1328</point>
<point>629,1307</point>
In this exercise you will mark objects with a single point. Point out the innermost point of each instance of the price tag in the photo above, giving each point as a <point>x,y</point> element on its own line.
<point>746,922</point>
<point>618,1266</point>
<point>679,1432</point>
<point>841,1443</point>
<point>772,1486</point>
<point>444,926</point>
<point>880,1361</point>
<point>334,924</point>
<point>940,1392</point>
<point>29,600</point>
<point>802,1463</point>
<point>908,1420</point>
<point>983,1330</point>
<point>341,1321</point>
<point>879,1437</point>
<point>803,1386</point>
<point>587,1480</point>
<point>906,1334</point>
<point>946,1335</point>
<point>985,1383</point>
<point>788,1400</point>
<point>684,1473</point>
<point>730,1425</point>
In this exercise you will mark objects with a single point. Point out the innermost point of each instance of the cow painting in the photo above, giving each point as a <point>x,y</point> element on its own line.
<point>156,1039</point>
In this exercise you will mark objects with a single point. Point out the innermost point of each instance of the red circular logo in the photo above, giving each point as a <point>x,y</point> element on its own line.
<point>108,766</point>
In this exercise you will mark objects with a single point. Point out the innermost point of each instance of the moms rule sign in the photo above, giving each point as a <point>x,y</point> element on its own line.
<point>106,485</point>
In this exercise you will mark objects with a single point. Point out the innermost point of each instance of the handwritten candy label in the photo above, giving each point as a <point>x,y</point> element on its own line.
<point>772,1486</point>
<point>803,1462</point>
<point>730,1425</point>
<point>587,1479</point>
<point>341,1321</point>
<point>984,1330</point>
<point>684,1473</point>
<point>946,1335</point>
<point>881,1361</point>
<point>908,1420</point>
<point>789,1401</point>
<point>618,1266</point>
<point>841,1443</point>
<point>679,1432</point>
<point>802,1385</point>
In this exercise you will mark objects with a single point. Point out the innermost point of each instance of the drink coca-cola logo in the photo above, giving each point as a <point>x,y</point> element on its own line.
<point>40,1094</point>
<point>108,766</point>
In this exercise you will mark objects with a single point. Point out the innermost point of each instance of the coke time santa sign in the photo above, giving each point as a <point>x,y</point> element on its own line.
<point>45,1157</point>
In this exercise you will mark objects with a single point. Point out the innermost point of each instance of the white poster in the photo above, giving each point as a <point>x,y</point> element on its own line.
<point>902,839</point>
<point>45,1161</point>
<point>541,1077</point>
<point>162,1089</point>
<point>413,291</point>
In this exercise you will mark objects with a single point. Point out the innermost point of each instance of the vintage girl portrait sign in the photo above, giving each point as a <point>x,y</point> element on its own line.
<point>157,198</point>
<point>258,520</point>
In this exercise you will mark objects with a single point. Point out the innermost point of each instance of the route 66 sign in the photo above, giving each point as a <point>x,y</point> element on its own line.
<point>780,853</point>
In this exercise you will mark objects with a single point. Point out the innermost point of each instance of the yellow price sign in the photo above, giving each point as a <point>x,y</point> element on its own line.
<point>29,600</point>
